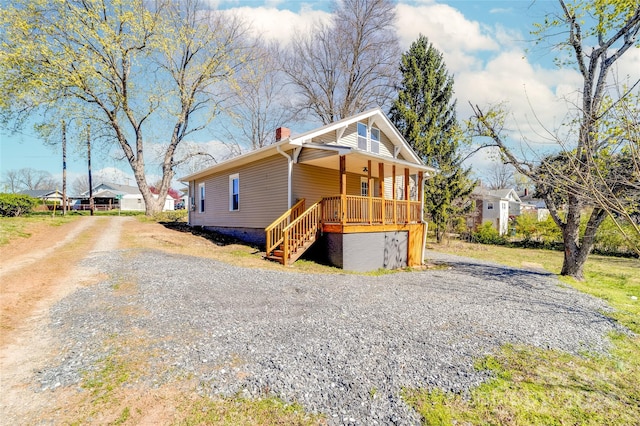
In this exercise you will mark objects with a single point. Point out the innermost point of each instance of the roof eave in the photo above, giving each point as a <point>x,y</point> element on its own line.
<point>241,159</point>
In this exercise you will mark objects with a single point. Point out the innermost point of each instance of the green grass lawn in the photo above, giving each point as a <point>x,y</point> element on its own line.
<point>548,387</point>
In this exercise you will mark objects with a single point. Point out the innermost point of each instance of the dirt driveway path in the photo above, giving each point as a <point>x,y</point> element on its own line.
<point>35,273</point>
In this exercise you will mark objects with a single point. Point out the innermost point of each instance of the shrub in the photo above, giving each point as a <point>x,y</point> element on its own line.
<point>487,234</point>
<point>12,205</point>
<point>527,225</point>
<point>609,239</point>
<point>171,216</point>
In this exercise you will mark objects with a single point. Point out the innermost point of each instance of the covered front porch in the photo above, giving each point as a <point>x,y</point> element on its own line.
<point>389,202</point>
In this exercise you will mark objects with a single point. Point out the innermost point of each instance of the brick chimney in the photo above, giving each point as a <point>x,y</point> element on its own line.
<point>282,133</point>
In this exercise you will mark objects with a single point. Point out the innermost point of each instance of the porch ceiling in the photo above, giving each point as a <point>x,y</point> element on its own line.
<point>356,161</point>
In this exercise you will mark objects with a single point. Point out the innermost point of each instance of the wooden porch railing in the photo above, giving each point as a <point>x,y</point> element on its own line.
<point>301,233</point>
<point>369,210</point>
<point>289,236</point>
<point>274,232</point>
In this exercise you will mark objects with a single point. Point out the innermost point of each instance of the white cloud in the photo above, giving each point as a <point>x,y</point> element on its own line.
<point>113,175</point>
<point>497,10</point>
<point>458,38</point>
<point>489,65</point>
<point>483,161</point>
<point>279,25</point>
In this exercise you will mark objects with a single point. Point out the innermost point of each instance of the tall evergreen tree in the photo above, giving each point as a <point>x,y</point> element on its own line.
<point>424,112</point>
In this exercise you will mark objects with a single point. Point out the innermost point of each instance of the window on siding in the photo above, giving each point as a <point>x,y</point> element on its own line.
<point>201,193</point>
<point>362,136</point>
<point>489,206</point>
<point>375,140</point>
<point>234,192</point>
<point>364,186</point>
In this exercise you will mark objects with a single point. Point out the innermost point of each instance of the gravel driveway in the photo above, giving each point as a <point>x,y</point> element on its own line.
<point>342,345</point>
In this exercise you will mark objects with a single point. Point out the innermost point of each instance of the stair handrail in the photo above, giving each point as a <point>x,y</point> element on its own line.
<point>316,209</point>
<point>274,235</point>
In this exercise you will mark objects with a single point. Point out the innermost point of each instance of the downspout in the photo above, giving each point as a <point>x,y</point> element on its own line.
<point>289,174</point>
<point>426,225</point>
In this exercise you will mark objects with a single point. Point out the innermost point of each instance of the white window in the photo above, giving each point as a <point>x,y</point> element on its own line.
<point>362,136</point>
<point>201,194</point>
<point>364,186</point>
<point>368,139</point>
<point>234,192</point>
<point>375,140</point>
<point>489,206</point>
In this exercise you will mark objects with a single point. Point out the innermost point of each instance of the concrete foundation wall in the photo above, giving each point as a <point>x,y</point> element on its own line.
<point>364,252</point>
<point>254,236</point>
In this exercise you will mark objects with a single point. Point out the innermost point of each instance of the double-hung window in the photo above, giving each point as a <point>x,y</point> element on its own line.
<point>201,194</point>
<point>362,136</point>
<point>368,139</point>
<point>375,140</point>
<point>234,192</point>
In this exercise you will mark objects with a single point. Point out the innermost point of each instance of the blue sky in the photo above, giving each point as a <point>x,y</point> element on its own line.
<point>484,46</point>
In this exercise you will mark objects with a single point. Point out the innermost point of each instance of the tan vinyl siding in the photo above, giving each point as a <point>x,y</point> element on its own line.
<point>350,139</point>
<point>327,138</point>
<point>263,195</point>
<point>386,146</point>
<point>312,183</point>
<point>350,136</point>
<point>353,184</point>
<point>388,187</point>
<point>309,154</point>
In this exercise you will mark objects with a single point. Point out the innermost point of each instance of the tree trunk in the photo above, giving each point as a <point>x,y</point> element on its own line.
<point>576,251</point>
<point>575,257</point>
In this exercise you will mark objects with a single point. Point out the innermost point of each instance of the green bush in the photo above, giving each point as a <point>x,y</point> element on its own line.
<point>13,205</point>
<point>487,234</point>
<point>171,216</point>
<point>527,226</point>
<point>609,239</point>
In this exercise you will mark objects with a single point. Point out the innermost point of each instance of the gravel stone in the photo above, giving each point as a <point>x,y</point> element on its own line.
<point>342,345</point>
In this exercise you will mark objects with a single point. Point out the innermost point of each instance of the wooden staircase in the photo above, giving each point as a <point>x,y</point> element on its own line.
<point>287,242</point>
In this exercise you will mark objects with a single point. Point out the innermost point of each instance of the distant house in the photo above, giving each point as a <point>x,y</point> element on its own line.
<point>497,206</point>
<point>44,194</point>
<point>533,205</point>
<point>352,190</point>
<point>107,196</point>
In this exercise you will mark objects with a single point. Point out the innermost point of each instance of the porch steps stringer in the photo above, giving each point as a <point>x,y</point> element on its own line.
<point>298,236</point>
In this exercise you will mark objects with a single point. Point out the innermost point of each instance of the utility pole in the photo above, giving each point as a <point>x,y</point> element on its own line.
<point>91,205</point>
<point>64,168</point>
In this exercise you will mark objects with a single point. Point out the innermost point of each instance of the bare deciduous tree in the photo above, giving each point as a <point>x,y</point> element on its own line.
<point>347,65</point>
<point>593,174</point>
<point>29,179</point>
<point>259,102</point>
<point>10,181</point>
<point>140,71</point>
<point>501,176</point>
<point>80,184</point>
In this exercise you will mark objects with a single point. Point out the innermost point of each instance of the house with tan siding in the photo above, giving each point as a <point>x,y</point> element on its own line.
<point>351,190</point>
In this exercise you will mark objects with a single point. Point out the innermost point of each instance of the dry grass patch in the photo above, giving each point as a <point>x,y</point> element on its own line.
<point>178,238</point>
<point>23,288</point>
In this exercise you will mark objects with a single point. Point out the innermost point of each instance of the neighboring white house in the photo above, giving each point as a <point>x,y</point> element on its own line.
<point>496,206</point>
<point>127,198</point>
